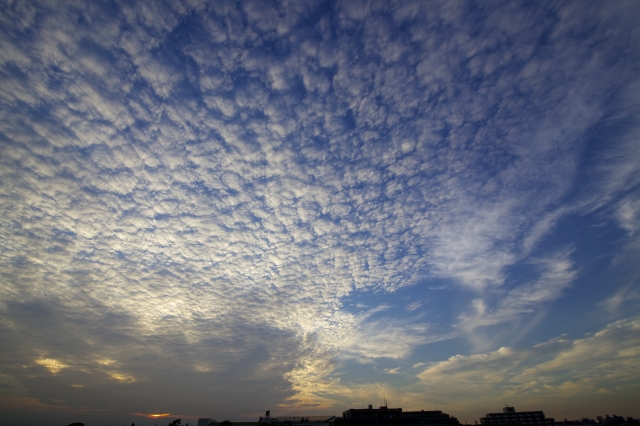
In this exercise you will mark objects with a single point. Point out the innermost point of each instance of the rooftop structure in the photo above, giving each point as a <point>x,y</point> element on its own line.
<point>295,420</point>
<point>382,416</point>
<point>435,417</point>
<point>372,413</point>
<point>509,416</point>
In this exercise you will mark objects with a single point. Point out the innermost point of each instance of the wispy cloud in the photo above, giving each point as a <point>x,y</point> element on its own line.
<point>615,302</point>
<point>413,306</point>
<point>603,361</point>
<point>556,274</point>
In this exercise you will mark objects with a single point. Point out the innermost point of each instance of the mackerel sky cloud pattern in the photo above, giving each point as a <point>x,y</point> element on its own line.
<point>229,207</point>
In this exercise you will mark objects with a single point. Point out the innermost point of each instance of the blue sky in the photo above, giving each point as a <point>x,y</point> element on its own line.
<point>220,208</point>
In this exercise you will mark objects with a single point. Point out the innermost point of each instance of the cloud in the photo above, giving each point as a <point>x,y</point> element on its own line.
<point>628,213</point>
<point>198,188</point>
<point>603,361</point>
<point>413,306</point>
<point>51,364</point>
<point>556,274</point>
<point>376,339</point>
<point>614,303</point>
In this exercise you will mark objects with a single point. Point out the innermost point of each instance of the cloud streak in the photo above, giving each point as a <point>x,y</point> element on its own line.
<point>604,362</point>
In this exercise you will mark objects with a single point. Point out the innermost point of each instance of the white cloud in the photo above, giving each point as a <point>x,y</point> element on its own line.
<point>384,339</point>
<point>607,359</point>
<point>413,306</point>
<point>613,303</point>
<point>556,274</point>
<point>628,213</point>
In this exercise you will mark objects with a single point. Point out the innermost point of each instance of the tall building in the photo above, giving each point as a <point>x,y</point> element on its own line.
<point>372,414</point>
<point>385,416</point>
<point>509,416</point>
<point>431,418</point>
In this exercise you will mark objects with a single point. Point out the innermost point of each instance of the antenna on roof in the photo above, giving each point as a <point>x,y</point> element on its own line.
<point>505,402</point>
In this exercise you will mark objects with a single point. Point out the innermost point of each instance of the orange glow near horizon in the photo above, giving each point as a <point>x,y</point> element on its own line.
<point>159,415</point>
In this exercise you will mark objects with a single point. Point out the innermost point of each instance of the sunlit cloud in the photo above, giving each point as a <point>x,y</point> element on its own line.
<point>52,365</point>
<point>122,377</point>
<point>602,361</point>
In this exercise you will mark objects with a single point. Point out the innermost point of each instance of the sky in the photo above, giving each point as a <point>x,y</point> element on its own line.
<point>221,208</point>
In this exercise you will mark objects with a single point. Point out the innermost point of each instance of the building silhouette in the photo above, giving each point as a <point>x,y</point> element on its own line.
<point>371,414</point>
<point>295,420</point>
<point>509,416</point>
<point>382,416</point>
<point>395,416</point>
<point>434,417</point>
<point>385,416</point>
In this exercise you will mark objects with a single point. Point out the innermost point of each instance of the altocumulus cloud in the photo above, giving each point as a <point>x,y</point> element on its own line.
<point>190,191</point>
